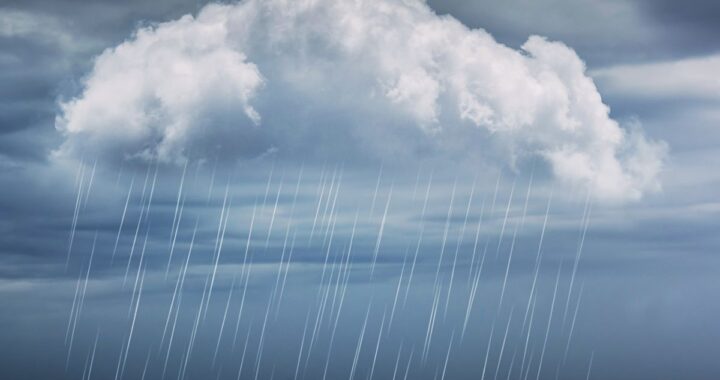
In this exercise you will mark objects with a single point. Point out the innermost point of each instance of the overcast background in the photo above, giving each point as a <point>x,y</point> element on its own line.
<point>648,271</point>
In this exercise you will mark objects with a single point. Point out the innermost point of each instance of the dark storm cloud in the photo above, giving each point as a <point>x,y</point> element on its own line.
<point>604,33</point>
<point>30,78</point>
<point>108,21</point>
<point>700,16</point>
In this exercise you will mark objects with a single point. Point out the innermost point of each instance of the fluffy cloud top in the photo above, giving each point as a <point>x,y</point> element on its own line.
<point>354,80</point>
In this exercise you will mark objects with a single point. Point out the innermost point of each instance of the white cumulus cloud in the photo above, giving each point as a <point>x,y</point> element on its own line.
<point>353,80</point>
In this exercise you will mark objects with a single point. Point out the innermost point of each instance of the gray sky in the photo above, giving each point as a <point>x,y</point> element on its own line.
<point>648,267</point>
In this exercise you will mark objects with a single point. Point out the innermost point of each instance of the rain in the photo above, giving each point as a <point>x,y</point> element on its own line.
<point>359,189</point>
<point>295,271</point>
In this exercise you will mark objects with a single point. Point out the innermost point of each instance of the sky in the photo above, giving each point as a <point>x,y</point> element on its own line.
<point>359,189</point>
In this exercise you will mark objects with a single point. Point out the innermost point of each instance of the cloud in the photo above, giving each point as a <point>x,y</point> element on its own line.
<point>40,27</point>
<point>691,78</point>
<point>359,81</point>
<point>602,32</point>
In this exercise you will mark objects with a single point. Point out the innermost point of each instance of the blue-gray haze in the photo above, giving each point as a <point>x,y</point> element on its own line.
<point>310,267</point>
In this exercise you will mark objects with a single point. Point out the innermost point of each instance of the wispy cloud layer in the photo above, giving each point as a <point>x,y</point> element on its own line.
<point>690,78</point>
